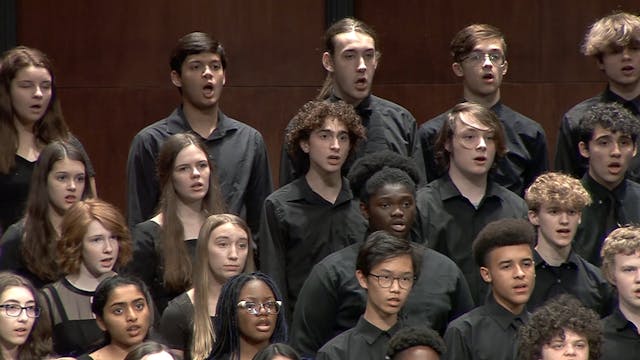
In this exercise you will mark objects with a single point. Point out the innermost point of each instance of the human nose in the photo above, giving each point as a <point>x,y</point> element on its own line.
<point>38,93</point>
<point>486,60</point>
<point>482,143</point>
<point>233,253</point>
<point>195,172</point>
<point>564,217</point>
<point>397,211</point>
<point>71,185</point>
<point>22,316</point>
<point>362,65</point>
<point>131,314</point>
<point>108,246</point>
<point>519,272</point>
<point>626,52</point>
<point>208,72</point>
<point>335,143</point>
<point>615,149</point>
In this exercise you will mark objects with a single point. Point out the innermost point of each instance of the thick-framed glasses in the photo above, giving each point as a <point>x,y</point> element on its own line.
<point>14,310</point>
<point>478,58</point>
<point>253,308</point>
<point>385,281</point>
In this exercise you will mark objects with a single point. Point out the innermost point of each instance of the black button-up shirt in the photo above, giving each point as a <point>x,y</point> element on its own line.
<point>364,341</point>
<point>526,142</point>
<point>621,339</point>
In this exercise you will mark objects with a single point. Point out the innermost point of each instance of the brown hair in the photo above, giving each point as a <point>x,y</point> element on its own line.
<point>625,241</point>
<point>617,30</point>
<point>50,127</point>
<point>466,39</point>
<point>557,188</point>
<point>75,224</point>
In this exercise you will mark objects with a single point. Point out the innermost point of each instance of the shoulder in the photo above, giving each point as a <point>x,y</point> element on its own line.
<point>391,110</point>
<point>575,113</point>
<point>288,192</point>
<point>13,235</point>
<point>434,124</point>
<point>518,121</point>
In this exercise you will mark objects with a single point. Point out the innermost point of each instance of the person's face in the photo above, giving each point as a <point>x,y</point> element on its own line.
<point>557,225</point>
<point>419,352</point>
<point>483,69</point>
<point>609,155</point>
<point>256,329</point>
<point>573,346</point>
<point>328,147</point>
<point>15,330</point>
<point>191,174</point>
<point>99,250</point>
<point>65,184</point>
<point>387,301</point>
<point>622,65</point>
<point>511,273</point>
<point>472,147</point>
<point>626,278</point>
<point>126,316</point>
<point>228,248</point>
<point>31,91</point>
<point>201,80</point>
<point>352,65</point>
<point>392,208</point>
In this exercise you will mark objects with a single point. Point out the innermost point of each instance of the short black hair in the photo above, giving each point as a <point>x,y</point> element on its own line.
<point>195,43</point>
<point>412,336</point>
<point>504,232</point>
<point>381,246</point>
<point>611,116</point>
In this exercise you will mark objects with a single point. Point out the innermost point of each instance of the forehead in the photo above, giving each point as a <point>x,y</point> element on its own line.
<point>599,131</point>
<point>94,227</point>
<point>33,73</point>
<point>419,352</point>
<point>256,289</point>
<point>488,45</point>
<point>390,189</point>
<point>189,152</point>
<point>68,165</point>
<point>353,40</point>
<point>622,259</point>
<point>468,121</point>
<point>16,293</point>
<point>227,230</point>
<point>569,336</point>
<point>513,253</point>
<point>333,124</point>
<point>125,294</point>
<point>396,264</point>
<point>203,57</point>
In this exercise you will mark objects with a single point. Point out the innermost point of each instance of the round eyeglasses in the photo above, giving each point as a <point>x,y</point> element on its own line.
<point>253,308</point>
<point>478,58</point>
<point>14,310</point>
<point>385,281</point>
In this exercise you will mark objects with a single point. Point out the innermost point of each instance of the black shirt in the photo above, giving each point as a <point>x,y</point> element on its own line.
<point>568,158</point>
<point>526,142</point>
<point>488,332</point>
<point>576,277</point>
<point>331,299</point>
<point>621,340</point>
<point>236,149</point>
<point>450,223</point>
<point>608,211</point>
<point>299,228</point>
<point>11,255</point>
<point>364,341</point>
<point>389,127</point>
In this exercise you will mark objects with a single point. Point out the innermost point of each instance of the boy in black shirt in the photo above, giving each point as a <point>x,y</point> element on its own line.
<point>503,250</point>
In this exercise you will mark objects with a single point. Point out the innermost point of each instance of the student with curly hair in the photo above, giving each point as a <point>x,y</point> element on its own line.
<point>316,214</point>
<point>561,329</point>
<point>416,343</point>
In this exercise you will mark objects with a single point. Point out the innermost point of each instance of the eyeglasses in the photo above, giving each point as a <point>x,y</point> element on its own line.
<point>472,140</point>
<point>253,308</point>
<point>478,58</point>
<point>15,310</point>
<point>385,281</point>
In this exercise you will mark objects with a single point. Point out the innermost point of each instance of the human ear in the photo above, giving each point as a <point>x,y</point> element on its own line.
<point>327,61</point>
<point>485,274</point>
<point>176,79</point>
<point>457,69</point>
<point>533,217</point>
<point>584,149</point>
<point>362,279</point>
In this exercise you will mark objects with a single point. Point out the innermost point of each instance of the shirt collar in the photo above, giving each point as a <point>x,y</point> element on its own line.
<point>177,123</point>
<point>306,192</point>
<point>620,322</point>
<point>449,190</point>
<point>598,191</point>
<point>504,317</point>
<point>372,333</point>
<point>572,261</point>
<point>632,105</point>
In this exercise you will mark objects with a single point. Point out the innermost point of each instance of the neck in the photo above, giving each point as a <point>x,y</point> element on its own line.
<point>383,322</point>
<point>627,92</point>
<point>631,314</point>
<point>472,187</point>
<point>84,280</point>
<point>249,350</point>
<point>348,99</point>
<point>111,351</point>
<point>553,255</point>
<point>485,100</point>
<point>327,185</point>
<point>610,186</point>
<point>514,309</point>
<point>9,352</point>
<point>202,121</point>
<point>191,217</point>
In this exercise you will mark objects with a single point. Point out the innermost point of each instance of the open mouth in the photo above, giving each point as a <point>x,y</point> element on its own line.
<point>488,76</point>
<point>208,89</point>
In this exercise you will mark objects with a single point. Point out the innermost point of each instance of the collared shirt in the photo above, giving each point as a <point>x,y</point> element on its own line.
<point>331,299</point>
<point>568,158</point>
<point>488,332</point>
<point>299,228</point>
<point>389,127</point>
<point>527,154</point>
<point>576,277</point>
<point>364,341</point>
<point>236,149</point>
<point>450,223</point>
<point>608,210</point>
<point>621,339</point>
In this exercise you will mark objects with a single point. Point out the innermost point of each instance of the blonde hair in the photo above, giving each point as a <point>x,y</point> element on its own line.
<point>624,241</point>
<point>203,334</point>
<point>557,188</point>
<point>615,30</point>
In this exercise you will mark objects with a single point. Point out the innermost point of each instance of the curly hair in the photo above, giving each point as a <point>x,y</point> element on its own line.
<point>415,336</point>
<point>625,241</point>
<point>558,189</point>
<point>369,173</point>
<point>499,233</point>
<point>311,117</point>
<point>74,226</point>
<point>611,116</point>
<point>552,320</point>
<point>466,39</point>
<point>611,33</point>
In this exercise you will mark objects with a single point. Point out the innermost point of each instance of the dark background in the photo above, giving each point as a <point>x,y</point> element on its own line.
<point>112,72</point>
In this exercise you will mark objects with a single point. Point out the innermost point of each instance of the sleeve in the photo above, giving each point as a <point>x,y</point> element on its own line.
<point>259,187</point>
<point>415,148</point>
<point>75,142</point>
<point>566,150</point>
<point>314,320</point>
<point>539,158</point>
<point>10,257</point>
<point>457,347</point>
<point>142,185</point>
<point>175,327</point>
<point>426,146</point>
<point>271,247</point>
<point>461,301</point>
<point>145,258</point>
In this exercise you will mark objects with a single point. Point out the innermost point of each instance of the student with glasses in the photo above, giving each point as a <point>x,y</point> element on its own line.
<point>251,317</point>
<point>479,59</point>
<point>22,334</point>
